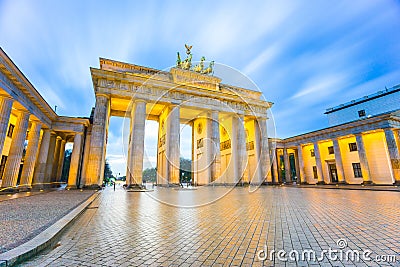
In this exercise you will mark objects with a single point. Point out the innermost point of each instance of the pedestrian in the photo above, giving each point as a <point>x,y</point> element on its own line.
<point>114,185</point>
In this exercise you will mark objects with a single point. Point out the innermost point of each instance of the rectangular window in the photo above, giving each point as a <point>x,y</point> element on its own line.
<point>357,170</point>
<point>361,113</point>
<point>314,169</point>
<point>312,152</point>
<point>330,150</point>
<point>2,165</point>
<point>10,130</point>
<point>353,147</point>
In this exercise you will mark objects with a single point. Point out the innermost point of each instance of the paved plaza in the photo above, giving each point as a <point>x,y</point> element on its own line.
<point>136,229</point>
<point>25,215</point>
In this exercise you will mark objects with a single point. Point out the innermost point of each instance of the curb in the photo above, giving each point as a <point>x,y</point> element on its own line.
<point>45,238</point>
<point>346,188</point>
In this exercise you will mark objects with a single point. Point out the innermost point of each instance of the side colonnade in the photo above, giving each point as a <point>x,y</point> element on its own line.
<point>32,136</point>
<point>360,152</point>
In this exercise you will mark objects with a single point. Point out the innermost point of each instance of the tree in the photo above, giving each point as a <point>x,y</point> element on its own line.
<point>150,175</point>
<point>185,171</point>
<point>67,163</point>
<point>107,172</point>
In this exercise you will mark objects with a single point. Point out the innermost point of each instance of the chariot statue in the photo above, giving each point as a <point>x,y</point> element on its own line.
<point>187,63</point>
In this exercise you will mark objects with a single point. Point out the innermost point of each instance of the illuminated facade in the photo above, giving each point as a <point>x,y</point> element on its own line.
<point>32,135</point>
<point>229,128</point>
<point>229,133</point>
<point>361,146</point>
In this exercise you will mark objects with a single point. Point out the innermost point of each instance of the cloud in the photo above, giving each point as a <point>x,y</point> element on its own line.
<point>266,56</point>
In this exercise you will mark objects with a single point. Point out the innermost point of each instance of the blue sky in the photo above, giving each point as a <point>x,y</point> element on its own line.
<point>305,56</point>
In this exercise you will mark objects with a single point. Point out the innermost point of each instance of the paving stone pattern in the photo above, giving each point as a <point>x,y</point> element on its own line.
<point>23,218</point>
<point>133,229</point>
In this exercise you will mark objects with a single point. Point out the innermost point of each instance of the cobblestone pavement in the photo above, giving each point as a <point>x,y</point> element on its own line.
<point>133,229</point>
<point>23,218</point>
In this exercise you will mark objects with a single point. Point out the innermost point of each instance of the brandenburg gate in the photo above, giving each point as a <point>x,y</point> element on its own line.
<point>229,124</point>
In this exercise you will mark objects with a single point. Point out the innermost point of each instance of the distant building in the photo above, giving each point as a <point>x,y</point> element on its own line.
<point>365,107</point>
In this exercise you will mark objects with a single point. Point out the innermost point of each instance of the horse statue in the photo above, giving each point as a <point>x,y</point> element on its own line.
<point>187,63</point>
<point>199,67</point>
<point>178,61</point>
<point>209,69</point>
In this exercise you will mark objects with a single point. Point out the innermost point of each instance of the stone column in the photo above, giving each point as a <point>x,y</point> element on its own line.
<point>75,160</point>
<point>94,171</point>
<point>129,174</point>
<point>13,163</point>
<point>60,164</point>
<point>362,154</point>
<point>300,160</point>
<point>393,153</point>
<point>5,111</point>
<point>239,153</point>
<point>50,160</point>
<point>56,159</point>
<point>287,166</point>
<point>216,151</point>
<point>135,168</point>
<point>339,162</point>
<point>86,152</point>
<point>31,155</point>
<point>275,166</point>
<point>173,144</point>
<point>40,170</point>
<point>264,161</point>
<point>318,162</point>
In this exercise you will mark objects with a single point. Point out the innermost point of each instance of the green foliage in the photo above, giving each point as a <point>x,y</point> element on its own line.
<point>185,172</point>
<point>107,173</point>
<point>67,163</point>
<point>150,175</point>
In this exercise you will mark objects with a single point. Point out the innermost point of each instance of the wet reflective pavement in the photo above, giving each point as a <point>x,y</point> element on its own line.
<point>228,227</point>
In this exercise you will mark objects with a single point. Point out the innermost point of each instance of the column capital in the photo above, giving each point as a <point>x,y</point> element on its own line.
<point>103,95</point>
<point>139,100</point>
<point>173,104</point>
<point>23,112</point>
<point>261,118</point>
<point>7,97</point>
<point>299,146</point>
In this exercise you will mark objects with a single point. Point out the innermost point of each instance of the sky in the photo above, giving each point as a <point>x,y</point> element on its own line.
<point>305,56</point>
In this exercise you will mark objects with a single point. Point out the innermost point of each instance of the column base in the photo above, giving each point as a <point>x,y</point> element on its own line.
<point>6,190</point>
<point>69,187</point>
<point>92,187</point>
<point>367,183</point>
<point>37,187</point>
<point>274,183</point>
<point>56,185</point>
<point>24,188</point>
<point>304,183</point>
<point>135,186</point>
